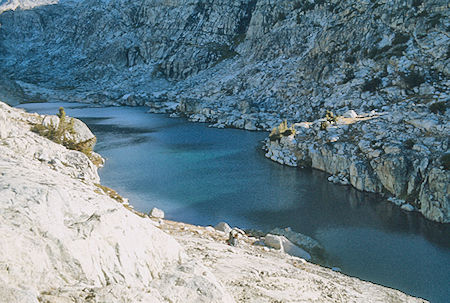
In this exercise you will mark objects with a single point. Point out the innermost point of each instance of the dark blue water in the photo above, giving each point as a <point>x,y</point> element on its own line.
<point>202,175</point>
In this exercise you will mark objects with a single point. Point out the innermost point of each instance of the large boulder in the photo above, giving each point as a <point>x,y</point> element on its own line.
<point>75,129</point>
<point>223,227</point>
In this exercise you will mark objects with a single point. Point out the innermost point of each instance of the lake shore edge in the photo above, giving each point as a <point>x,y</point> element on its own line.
<point>62,182</point>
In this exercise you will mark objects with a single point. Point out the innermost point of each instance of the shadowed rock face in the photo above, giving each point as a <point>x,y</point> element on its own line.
<point>181,37</point>
<point>290,55</point>
<point>250,64</point>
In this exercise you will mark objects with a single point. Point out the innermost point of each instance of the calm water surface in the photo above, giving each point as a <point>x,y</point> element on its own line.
<point>202,175</point>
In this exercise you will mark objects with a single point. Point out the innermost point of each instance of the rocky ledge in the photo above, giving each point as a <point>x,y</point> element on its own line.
<point>66,238</point>
<point>402,153</point>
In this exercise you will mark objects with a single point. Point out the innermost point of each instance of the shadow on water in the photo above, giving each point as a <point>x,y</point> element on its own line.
<point>202,176</point>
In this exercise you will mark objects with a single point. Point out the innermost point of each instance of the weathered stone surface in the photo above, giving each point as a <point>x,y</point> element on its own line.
<point>257,274</point>
<point>63,237</point>
<point>309,244</point>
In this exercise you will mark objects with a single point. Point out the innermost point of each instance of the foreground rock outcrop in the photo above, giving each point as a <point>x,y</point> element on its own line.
<point>65,239</point>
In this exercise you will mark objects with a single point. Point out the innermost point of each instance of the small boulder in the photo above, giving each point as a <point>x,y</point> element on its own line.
<point>273,241</point>
<point>294,250</point>
<point>350,114</point>
<point>407,207</point>
<point>239,231</point>
<point>223,226</point>
<point>210,229</point>
<point>156,213</point>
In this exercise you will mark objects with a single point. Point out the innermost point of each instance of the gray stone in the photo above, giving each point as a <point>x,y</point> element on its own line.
<point>350,114</point>
<point>273,241</point>
<point>407,207</point>
<point>156,213</point>
<point>223,226</point>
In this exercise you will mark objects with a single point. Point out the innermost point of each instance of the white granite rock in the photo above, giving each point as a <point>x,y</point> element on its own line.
<point>223,226</point>
<point>156,213</point>
<point>273,241</point>
<point>63,237</point>
<point>350,114</point>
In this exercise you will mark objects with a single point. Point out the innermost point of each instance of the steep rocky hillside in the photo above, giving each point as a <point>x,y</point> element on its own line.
<point>251,64</point>
<point>295,58</point>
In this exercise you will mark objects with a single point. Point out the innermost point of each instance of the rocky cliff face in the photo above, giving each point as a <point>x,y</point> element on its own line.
<point>251,64</point>
<point>64,239</point>
<point>369,152</point>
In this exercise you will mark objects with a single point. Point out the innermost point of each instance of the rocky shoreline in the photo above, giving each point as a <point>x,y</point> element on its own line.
<point>66,238</point>
<point>253,64</point>
<point>369,152</point>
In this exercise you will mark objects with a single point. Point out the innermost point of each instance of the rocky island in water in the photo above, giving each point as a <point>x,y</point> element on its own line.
<point>358,89</point>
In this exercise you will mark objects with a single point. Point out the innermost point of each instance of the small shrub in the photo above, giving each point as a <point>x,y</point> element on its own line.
<point>400,38</point>
<point>281,131</point>
<point>157,70</point>
<point>238,39</point>
<point>274,135</point>
<point>372,53</point>
<point>281,16</point>
<point>307,6</point>
<point>417,3</point>
<point>409,143</point>
<point>287,132</point>
<point>349,75</point>
<point>445,160</point>
<point>371,85</point>
<point>350,59</point>
<point>356,49</point>
<point>413,79</point>
<point>64,133</point>
<point>435,20</point>
<point>398,50</point>
<point>331,118</point>
<point>438,107</point>
<point>223,51</point>
<point>319,2</point>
